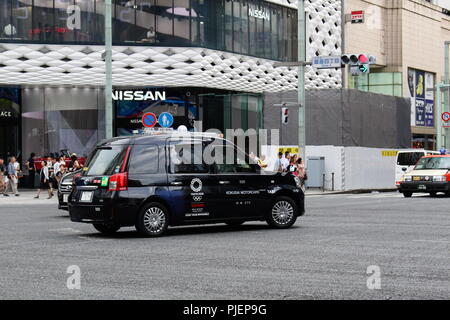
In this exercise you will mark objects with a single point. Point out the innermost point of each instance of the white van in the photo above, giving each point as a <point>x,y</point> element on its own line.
<point>407,159</point>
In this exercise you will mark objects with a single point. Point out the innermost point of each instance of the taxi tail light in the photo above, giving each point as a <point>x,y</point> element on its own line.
<point>118,182</point>
<point>447,175</point>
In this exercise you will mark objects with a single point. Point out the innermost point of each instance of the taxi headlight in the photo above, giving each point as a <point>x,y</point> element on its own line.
<point>407,178</point>
<point>440,178</point>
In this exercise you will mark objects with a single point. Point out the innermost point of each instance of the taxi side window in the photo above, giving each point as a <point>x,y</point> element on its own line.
<point>144,159</point>
<point>241,162</point>
<point>187,158</point>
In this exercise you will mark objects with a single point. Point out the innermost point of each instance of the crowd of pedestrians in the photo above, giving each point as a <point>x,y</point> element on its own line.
<point>291,163</point>
<point>51,171</point>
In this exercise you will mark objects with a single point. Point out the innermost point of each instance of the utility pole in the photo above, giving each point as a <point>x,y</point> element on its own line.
<point>301,78</point>
<point>108,71</point>
<point>446,143</point>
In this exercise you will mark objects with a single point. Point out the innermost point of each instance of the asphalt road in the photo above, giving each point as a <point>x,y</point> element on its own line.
<point>324,256</point>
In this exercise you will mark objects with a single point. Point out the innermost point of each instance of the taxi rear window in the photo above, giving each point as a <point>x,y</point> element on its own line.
<point>105,161</point>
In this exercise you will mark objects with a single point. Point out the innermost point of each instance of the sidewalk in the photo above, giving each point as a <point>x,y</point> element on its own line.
<point>318,191</point>
<point>27,196</point>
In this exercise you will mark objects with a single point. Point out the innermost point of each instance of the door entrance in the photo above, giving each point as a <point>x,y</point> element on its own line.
<point>9,122</point>
<point>9,140</point>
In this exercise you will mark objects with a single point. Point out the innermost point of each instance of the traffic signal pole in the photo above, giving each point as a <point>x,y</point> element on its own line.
<point>108,71</point>
<point>301,79</point>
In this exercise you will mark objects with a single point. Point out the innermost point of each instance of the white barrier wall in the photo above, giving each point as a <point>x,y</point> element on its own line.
<point>354,168</point>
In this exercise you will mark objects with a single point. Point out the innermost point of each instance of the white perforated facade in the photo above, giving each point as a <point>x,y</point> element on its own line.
<point>44,65</point>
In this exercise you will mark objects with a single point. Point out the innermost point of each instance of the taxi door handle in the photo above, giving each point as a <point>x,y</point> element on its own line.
<point>176,183</point>
<point>224,182</point>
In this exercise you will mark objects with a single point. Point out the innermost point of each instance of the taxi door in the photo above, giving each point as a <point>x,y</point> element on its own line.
<point>192,188</point>
<point>241,187</point>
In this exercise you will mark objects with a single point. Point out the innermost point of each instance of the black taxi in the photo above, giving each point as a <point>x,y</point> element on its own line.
<point>156,181</point>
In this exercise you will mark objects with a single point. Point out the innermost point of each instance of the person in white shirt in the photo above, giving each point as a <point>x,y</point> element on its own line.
<point>45,180</point>
<point>286,160</point>
<point>279,166</point>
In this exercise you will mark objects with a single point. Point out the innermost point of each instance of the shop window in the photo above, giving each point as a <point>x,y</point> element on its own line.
<point>21,19</point>
<point>43,21</point>
<point>181,14</point>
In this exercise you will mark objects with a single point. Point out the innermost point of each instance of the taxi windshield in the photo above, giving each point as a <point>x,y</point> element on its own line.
<point>433,163</point>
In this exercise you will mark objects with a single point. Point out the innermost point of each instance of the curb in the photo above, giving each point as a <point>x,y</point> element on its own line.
<point>357,191</point>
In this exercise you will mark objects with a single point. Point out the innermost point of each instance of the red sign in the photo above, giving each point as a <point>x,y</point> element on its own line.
<point>149,120</point>
<point>446,116</point>
<point>358,16</point>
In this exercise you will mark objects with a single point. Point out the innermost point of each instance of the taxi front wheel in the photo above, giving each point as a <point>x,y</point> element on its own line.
<point>153,220</point>
<point>283,213</point>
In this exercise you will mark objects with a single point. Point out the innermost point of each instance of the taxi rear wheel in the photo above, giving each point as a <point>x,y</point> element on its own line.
<point>407,194</point>
<point>106,228</point>
<point>283,213</point>
<point>153,220</point>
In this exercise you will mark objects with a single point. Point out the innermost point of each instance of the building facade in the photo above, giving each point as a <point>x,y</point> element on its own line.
<point>407,37</point>
<point>213,59</point>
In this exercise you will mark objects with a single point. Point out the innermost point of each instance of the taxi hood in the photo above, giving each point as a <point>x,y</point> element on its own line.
<point>429,172</point>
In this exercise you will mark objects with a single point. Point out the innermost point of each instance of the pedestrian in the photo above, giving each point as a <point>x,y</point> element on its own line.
<point>301,171</point>
<point>61,173</point>
<point>31,170</point>
<point>74,165</point>
<point>286,160</point>
<point>3,178</point>
<point>13,170</point>
<point>292,168</point>
<point>44,180</point>
<point>58,166</point>
<point>279,167</point>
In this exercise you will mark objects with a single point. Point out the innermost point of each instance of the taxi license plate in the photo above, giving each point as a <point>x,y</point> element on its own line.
<point>86,196</point>
<point>65,198</point>
<point>416,178</point>
<point>422,187</point>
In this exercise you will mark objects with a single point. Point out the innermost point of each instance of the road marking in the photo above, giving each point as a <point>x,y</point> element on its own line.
<point>433,241</point>
<point>72,231</point>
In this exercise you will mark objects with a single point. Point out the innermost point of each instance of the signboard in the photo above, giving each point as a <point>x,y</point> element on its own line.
<point>389,153</point>
<point>421,89</point>
<point>165,120</point>
<point>149,120</point>
<point>291,150</point>
<point>358,16</point>
<point>327,62</point>
<point>446,118</point>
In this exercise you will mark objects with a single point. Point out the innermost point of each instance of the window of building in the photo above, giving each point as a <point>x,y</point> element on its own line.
<point>254,27</point>
<point>21,16</point>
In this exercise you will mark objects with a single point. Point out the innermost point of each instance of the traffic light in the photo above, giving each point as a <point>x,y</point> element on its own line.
<point>284,115</point>
<point>359,63</point>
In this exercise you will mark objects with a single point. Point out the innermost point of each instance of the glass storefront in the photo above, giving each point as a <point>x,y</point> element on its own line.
<point>217,109</point>
<point>252,27</point>
<point>46,120</point>
<point>54,119</point>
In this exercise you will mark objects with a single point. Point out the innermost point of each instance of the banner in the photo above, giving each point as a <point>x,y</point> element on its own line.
<point>421,89</point>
